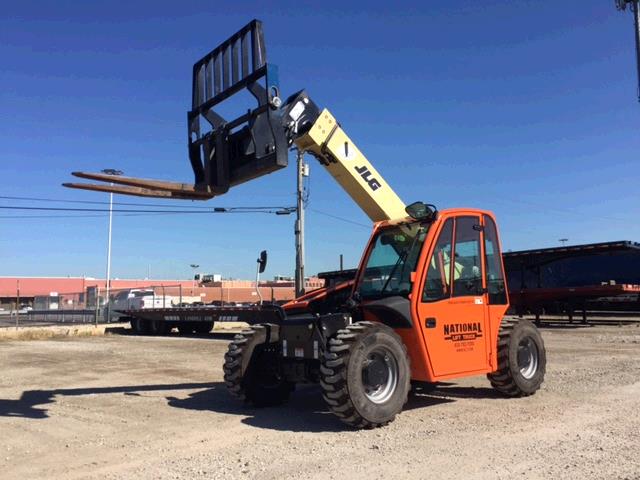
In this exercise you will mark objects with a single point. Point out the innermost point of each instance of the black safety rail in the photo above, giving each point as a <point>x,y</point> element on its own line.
<point>254,314</point>
<point>229,67</point>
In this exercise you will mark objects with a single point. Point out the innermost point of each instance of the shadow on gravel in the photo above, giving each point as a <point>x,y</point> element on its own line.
<point>27,405</point>
<point>564,326</point>
<point>453,392</point>
<point>305,412</point>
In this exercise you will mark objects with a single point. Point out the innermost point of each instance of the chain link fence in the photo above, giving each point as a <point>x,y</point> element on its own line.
<point>90,306</point>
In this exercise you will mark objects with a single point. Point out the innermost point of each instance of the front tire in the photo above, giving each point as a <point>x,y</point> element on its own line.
<point>263,383</point>
<point>522,359</point>
<point>365,375</point>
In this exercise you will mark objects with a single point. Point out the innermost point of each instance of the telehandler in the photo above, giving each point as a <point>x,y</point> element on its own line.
<point>428,301</point>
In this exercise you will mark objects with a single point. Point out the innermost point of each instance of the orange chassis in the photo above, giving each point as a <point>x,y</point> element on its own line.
<point>449,338</point>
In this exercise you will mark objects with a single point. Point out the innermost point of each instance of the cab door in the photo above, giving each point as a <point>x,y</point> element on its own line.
<point>452,309</point>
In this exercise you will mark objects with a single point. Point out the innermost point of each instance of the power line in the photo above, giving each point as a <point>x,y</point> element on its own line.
<point>575,212</point>
<point>101,213</point>
<point>340,218</point>
<point>63,209</point>
<point>96,215</point>
<point>136,212</point>
<point>129,210</point>
<point>96,202</point>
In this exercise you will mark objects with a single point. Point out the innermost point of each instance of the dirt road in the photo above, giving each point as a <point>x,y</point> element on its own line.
<point>145,408</point>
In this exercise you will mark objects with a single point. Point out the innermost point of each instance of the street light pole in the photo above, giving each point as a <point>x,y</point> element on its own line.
<point>193,281</point>
<point>302,171</point>
<point>109,171</point>
<point>634,6</point>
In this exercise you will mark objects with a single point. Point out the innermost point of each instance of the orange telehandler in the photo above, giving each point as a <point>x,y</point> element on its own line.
<point>428,301</point>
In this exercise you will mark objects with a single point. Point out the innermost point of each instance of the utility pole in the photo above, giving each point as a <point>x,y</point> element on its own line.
<point>299,225</point>
<point>109,171</point>
<point>635,10</point>
<point>17,303</point>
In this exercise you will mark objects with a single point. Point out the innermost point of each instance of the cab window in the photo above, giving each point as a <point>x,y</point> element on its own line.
<point>493,262</point>
<point>438,283</point>
<point>393,257</point>
<point>467,266</point>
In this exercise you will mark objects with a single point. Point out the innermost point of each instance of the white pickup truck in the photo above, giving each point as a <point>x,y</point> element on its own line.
<point>136,299</point>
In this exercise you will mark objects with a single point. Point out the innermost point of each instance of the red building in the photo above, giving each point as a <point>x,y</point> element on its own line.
<point>74,292</point>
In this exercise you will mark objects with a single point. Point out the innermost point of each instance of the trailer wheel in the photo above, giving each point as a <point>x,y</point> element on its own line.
<point>157,327</point>
<point>185,328</point>
<point>140,326</point>
<point>263,383</point>
<point>521,359</point>
<point>203,327</point>
<point>365,375</point>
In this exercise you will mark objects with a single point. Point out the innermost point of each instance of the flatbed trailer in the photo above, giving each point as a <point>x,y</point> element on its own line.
<point>157,321</point>
<point>568,300</point>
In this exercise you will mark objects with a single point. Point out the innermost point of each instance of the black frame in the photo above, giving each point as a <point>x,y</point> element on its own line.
<point>253,144</point>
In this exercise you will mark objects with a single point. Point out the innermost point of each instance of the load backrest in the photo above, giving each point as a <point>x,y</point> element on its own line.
<point>227,152</point>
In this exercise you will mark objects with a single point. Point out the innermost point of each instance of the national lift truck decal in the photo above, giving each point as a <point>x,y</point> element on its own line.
<point>457,332</point>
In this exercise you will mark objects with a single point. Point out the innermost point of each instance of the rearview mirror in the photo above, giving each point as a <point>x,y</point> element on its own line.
<point>421,211</point>
<point>262,261</point>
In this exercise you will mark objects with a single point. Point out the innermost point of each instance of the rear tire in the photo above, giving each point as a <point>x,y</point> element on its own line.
<point>522,359</point>
<point>263,383</point>
<point>365,375</point>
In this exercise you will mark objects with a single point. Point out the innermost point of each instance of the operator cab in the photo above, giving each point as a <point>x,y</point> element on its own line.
<point>435,275</point>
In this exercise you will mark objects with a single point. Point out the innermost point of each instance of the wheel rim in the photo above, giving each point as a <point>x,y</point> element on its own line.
<point>527,357</point>
<point>380,375</point>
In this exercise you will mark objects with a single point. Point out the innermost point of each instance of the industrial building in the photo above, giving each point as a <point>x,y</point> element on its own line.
<point>80,292</point>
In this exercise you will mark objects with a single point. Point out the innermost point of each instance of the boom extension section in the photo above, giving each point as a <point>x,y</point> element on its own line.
<point>257,142</point>
<point>319,134</point>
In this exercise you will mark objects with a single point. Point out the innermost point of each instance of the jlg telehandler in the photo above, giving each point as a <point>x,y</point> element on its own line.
<point>428,301</point>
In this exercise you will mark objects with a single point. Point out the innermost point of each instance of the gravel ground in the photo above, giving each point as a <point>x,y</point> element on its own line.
<point>123,407</point>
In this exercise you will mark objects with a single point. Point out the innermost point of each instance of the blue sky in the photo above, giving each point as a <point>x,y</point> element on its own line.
<point>525,108</point>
